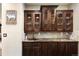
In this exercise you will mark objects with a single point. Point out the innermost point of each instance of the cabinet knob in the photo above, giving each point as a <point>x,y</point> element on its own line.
<point>4,34</point>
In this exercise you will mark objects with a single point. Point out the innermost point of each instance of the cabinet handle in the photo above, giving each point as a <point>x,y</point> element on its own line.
<point>4,34</point>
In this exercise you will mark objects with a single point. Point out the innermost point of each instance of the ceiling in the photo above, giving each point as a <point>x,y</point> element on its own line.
<point>46,4</point>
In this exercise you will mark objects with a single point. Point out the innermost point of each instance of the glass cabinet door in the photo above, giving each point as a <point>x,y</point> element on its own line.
<point>29,18</point>
<point>60,21</point>
<point>69,20</point>
<point>37,21</point>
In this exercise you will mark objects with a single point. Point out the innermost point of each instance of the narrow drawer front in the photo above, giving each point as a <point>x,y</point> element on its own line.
<point>31,44</point>
<point>27,44</point>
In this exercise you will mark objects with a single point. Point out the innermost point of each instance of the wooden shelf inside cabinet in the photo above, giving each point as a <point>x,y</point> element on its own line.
<point>59,29</point>
<point>67,17</point>
<point>59,24</point>
<point>69,28</point>
<point>69,23</point>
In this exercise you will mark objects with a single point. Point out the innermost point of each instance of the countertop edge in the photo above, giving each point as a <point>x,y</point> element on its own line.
<point>50,41</point>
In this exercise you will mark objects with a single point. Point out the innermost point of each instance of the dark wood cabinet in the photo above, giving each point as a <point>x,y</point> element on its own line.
<point>62,49</point>
<point>31,49</point>
<point>37,21</point>
<point>32,21</point>
<point>69,20</point>
<point>67,48</point>
<point>44,49</point>
<point>64,20</point>
<point>50,49</point>
<point>28,21</point>
<point>72,49</point>
<point>48,18</point>
<point>59,21</point>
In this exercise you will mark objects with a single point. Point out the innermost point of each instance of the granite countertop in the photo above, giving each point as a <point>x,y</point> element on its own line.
<point>51,39</point>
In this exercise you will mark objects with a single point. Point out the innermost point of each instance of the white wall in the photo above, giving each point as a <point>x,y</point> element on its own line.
<point>0,12</point>
<point>37,7</point>
<point>12,44</point>
<point>32,7</point>
<point>75,8</point>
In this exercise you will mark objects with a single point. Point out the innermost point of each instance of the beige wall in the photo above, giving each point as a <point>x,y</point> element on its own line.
<point>0,12</point>
<point>75,8</point>
<point>37,7</point>
<point>12,44</point>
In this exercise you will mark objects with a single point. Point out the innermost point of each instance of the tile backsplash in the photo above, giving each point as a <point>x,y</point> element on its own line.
<point>49,35</point>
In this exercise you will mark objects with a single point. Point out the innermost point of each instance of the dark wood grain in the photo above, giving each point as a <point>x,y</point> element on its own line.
<point>50,48</point>
<point>64,20</point>
<point>32,21</point>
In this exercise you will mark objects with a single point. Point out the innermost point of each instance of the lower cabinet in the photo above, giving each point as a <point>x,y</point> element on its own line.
<point>50,48</point>
<point>44,49</point>
<point>62,48</point>
<point>72,48</point>
<point>31,49</point>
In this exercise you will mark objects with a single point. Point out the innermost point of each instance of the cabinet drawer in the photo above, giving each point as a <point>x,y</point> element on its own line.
<point>27,44</point>
<point>36,44</point>
<point>31,44</point>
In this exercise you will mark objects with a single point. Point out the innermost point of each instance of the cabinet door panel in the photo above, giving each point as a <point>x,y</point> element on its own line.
<point>36,47</point>
<point>52,49</point>
<point>28,21</point>
<point>44,49</point>
<point>28,17</point>
<point>64,19</point>
<point>74,47</point>
<point>47,18</point>
<point>53,27</point>
<point>31,49</point>
<point>67,48</point>
<point>36,51</point>
<point>28,28</point>
<point>32,21</point>
<point>27,51</point>
<point>36,27</point>
<point>46,27</point>
<point>60,21</point>
<point>52,20</point>
<point>37,21</point>
<point>69,20</point>
<point>61,48</point>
